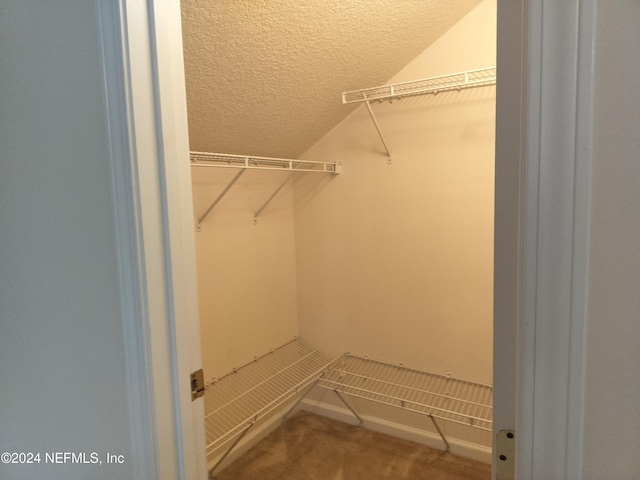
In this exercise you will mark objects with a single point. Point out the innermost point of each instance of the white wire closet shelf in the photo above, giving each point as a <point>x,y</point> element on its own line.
<point>246,162</point>
<point>224,160</point>
<point>433,85</point>
<point>237,400</point>
<point>436,396</point>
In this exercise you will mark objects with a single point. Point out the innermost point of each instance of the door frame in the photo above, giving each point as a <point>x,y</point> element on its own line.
<point>545,100</point>
<point>543,164</point>
<point>145,96</point>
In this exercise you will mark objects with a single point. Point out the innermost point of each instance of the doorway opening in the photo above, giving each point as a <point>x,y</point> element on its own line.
<point>391,259</point>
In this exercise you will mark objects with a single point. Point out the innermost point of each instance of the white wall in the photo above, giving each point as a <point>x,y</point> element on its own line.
<point>395,261</point>
<point>61,336</point>
<point>612,410</point>
<point>246,271</point>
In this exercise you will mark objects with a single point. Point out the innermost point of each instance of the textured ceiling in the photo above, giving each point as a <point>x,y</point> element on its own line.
<point>265,77</point>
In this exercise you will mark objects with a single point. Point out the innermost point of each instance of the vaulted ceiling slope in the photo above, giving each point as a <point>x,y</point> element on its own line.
<point>265,77</point>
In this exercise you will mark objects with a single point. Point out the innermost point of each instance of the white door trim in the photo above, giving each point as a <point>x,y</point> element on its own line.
<point>556,118</point>
<point>146,104</point>
<point>130,250</point>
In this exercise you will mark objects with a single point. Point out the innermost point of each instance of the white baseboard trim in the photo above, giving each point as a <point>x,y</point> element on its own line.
<point>457,447</point>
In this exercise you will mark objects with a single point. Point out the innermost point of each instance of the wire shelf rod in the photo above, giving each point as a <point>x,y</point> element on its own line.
<point>455,417</point>
<point>254,416</point>
<point>225,160</point>
<point>399,400</point>
<point>407,387</point>
<point>455,81</point>
<point>254,387</point>
<point>434,85</point>
<point>258,360</point>
<point>244,163</point>
<point>351,358</point>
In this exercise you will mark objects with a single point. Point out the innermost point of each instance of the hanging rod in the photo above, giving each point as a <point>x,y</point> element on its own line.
<point>244,163</point>
<point>433,85</point>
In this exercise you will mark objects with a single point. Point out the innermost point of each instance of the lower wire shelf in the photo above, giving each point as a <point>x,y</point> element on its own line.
<point>436,396</point>
<point>235,401</point>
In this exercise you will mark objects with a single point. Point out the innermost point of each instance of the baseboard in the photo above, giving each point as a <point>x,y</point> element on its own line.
<point>457,447</point>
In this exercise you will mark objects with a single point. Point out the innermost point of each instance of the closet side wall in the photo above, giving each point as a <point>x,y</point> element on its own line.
<point>395,260</point>
<point>64,378</point>
<point>612,384</point>
<point>246,270</point>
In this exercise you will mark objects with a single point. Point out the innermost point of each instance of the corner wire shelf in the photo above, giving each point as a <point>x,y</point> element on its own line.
<point>436,396</point>
<point>237,400</point>
<point>433,85</point>
<point>244,163</point>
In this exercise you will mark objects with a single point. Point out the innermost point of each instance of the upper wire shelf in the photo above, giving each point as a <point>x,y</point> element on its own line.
<point>246,162</point>
<point>433,85</point>
<point>224,160</point>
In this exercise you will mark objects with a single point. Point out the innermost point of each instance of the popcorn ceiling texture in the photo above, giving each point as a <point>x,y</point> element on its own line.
<point>265,77</point>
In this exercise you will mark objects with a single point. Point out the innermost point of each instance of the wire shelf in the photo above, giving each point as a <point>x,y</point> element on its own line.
<point>441,396</point>
<point>456,81</point>
<point>224,160</point>
<point>235,401</point>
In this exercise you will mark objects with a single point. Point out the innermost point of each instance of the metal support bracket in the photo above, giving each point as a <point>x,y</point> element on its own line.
<point>349,407</point>
<point>375,122</point>
<point>255,216</point>
<point>219,197</point>
<point>233,445</point>
<point>302,397</point>
<point>435,424</point>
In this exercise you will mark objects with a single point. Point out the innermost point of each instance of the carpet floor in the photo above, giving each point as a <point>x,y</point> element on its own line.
<point>311,447</point>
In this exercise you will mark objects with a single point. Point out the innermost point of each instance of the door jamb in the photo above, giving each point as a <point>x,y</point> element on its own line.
<point>148,141</point>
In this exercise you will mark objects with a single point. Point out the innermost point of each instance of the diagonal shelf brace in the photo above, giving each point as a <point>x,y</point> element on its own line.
<point>219,197</point>
<point>257,214</point>
<point>233,445</point>
<point>361,422</point>
<point>375,122</point>
<point>444,439</point>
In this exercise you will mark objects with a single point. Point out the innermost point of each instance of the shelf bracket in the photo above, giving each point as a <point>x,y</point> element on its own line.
<point>233,445</point>
<point>349,407</point>
<point>255,216</point>
<point>219,197</point>
<point>435,424</point>
<point>375,122</point>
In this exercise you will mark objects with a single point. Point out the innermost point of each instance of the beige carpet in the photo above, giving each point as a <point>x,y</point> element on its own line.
<point>311,447</point>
